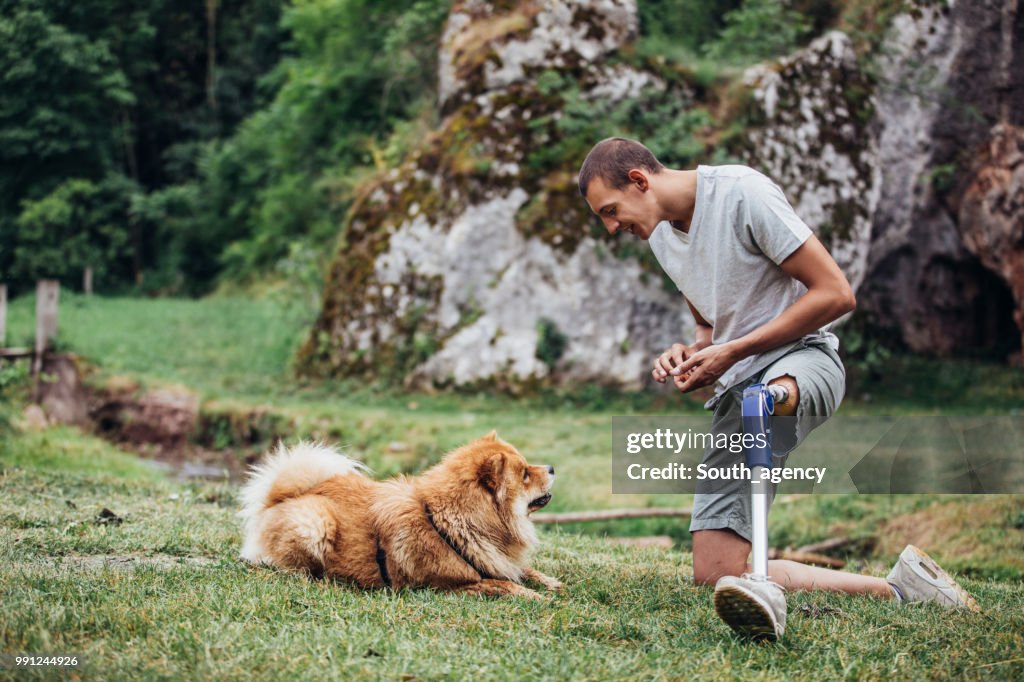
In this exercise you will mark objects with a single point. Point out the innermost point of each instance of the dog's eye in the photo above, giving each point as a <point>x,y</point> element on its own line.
<point>526,475</point>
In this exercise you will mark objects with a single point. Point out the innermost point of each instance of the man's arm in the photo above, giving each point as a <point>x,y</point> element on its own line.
<point>828,297</point>
<point>674,356</point>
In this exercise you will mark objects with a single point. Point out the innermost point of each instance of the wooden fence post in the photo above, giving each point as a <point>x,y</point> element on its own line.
<point>3,315</point>
<point>87,281</point>
<point>47,295</point>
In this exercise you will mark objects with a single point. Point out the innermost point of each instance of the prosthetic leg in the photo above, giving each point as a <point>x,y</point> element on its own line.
<point>758,405</point>
<point>751,604</point>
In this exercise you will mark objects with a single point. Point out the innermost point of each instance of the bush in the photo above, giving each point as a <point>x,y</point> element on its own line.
<point>758,30</point>
<point>13,391</point>
<point>551,343</point>
<point>79,224</point>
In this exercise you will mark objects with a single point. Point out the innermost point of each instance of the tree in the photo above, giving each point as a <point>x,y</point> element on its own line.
<point>114,93</point>
<point>80,224</point>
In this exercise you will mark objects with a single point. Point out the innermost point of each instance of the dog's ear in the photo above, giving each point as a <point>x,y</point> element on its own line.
<point>492,436</point>
<point>492,472</point>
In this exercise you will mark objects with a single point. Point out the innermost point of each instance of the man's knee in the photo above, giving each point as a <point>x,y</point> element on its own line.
<point>708,574</point>
<point>788,407</point>
<point>718,553</point>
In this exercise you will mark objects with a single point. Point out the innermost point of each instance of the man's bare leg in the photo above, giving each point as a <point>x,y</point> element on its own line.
<point>717,553</point>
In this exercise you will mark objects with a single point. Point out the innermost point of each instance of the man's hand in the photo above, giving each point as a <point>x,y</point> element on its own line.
<point>679,353</point>
<point>703,367</point>
<point>670,359</point>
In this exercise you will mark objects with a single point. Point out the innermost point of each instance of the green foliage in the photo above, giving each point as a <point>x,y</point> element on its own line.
<point>865,352</point>
<point>357,68</point>
<point>758,30</point>
<point>98,91</point>
<point>940,177</point>
<point>867,21</point>
<point>13,391</point>
<point>60,93</point>
<point>80,224</point>
<point>551,343</point>
<point>673,25</point>
<point>174,161</point>
<point>661,118</point>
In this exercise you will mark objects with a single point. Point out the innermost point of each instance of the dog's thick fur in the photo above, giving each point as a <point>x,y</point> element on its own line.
<point>461,525</point>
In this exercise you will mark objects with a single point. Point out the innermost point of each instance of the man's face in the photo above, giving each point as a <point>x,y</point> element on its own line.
<point>630,209</point>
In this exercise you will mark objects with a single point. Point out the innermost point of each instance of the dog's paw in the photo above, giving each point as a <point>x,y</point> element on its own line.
<point>527,593</point>
<point>547,581</point>
<point>553,584</point>
<point>490,587</point>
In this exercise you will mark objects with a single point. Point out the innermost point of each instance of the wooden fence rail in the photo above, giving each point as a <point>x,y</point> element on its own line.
<point>609,515</point>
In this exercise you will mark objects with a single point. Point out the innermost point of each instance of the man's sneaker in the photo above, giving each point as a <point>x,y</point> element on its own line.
<point>754,608</point>
<point>917,578</point>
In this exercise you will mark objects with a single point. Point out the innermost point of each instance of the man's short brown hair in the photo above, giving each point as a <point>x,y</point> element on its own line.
<point>612,159</point>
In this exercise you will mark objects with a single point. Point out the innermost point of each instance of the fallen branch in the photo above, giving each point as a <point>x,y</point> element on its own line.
<point>610,515</point>
<point>659,541</point>
<point>806,558</point>
<point>827,545</point>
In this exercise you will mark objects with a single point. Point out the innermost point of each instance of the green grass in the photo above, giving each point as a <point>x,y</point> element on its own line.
<point>241,349</point>
<point>217,347</point>
<point>162,595</point>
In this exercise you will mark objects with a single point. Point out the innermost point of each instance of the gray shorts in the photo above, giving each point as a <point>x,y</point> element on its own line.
<point>821,380</point>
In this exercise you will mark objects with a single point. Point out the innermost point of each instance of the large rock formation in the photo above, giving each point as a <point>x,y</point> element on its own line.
<point>477,261</point>
<point>882,148</point>
<point>991,216</point>
<point>811,132</point>
<point>946,74</point>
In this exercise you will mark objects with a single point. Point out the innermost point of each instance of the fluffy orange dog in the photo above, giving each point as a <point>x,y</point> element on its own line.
<point>461,525</point>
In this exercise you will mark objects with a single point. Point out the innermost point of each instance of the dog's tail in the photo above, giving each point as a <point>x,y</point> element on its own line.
<point>286,473</point>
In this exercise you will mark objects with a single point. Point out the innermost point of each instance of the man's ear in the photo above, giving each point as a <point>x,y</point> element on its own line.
<point>639,178</point>
<point>492,472</point>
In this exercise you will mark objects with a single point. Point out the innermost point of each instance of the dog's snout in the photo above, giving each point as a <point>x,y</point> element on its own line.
<point>551,470</point>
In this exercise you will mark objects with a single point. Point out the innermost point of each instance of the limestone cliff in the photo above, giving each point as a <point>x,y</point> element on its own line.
<point>947,73</point>
<point>991,215</point>
<point>810,131</point>
<point>476,261</point>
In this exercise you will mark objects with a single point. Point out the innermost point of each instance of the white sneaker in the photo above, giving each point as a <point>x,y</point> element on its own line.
<point>918,578</point>
<point>754,608</point>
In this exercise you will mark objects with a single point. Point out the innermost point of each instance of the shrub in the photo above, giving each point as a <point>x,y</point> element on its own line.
<point>758,30</point>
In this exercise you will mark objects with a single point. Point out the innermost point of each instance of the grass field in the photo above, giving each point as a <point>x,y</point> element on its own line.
<point>161,594</point>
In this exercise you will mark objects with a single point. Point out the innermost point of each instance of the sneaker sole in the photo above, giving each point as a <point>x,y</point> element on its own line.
<point>742,612</point>
<point>965,600</point>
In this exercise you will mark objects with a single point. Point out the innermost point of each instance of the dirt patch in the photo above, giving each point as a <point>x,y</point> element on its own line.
<point>167,425</point>
<point>980,536</point>
<point>950,528</point>
<point>59,389</point>
<point>163,418</point>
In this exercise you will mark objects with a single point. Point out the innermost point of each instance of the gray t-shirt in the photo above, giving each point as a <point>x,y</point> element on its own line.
<point>727,265</point>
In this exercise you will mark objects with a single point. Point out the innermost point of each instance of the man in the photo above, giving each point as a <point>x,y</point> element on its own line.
<point>762,290</point>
